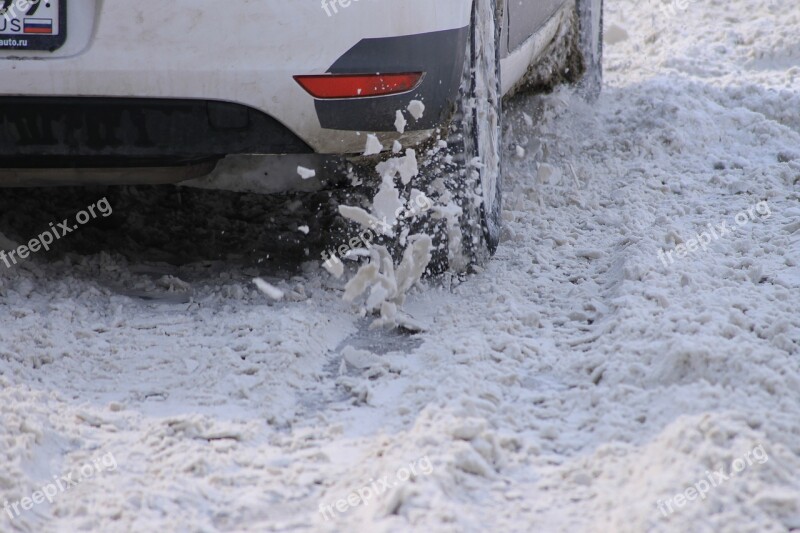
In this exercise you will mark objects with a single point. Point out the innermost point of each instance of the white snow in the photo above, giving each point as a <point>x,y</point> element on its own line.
<point>577,384</point>
<point>406,167</point>
<point>367,220</point>
<point>387,203</point>
<point>334,266</point>
<point>373,145</point>
<point>270,290</point>
<point>400,122</point>
<point>389,285</point>
<point>306,173</point>
<point>417,109</point>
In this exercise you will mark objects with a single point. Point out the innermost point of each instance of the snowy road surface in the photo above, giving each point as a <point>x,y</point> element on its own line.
<point>630,361</point>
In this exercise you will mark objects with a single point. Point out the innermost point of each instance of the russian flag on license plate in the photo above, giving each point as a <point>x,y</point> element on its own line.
<point>44,26</point>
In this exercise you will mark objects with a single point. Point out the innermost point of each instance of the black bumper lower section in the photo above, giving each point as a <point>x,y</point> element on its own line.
<point>439,54</point>
<point>72,131</point>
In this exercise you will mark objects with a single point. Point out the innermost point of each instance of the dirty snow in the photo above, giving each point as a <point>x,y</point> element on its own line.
<point>576,384</point>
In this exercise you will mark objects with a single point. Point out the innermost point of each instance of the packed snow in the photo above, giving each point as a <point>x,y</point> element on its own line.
<point>629,361</point>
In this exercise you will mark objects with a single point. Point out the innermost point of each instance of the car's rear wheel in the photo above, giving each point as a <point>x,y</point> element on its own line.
<point>471,178</point>
<point>461,177</point>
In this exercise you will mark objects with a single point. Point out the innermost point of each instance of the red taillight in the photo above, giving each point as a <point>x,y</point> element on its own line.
<point>358,85</point>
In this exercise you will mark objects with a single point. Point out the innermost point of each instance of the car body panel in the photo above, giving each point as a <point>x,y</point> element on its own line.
<point>526,17</point>
<point>516,64</point>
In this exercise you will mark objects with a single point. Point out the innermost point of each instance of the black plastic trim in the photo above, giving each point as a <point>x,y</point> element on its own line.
<point>440,55</point>
<point>80,129</point>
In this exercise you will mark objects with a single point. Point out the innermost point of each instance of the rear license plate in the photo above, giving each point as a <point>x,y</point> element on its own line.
<point>33,24</point>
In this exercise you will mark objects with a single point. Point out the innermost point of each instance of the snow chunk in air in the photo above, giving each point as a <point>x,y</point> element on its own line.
<point>306,173</point>
<point>416,108</point>
<point>374,146</point>
<point>270,290</point>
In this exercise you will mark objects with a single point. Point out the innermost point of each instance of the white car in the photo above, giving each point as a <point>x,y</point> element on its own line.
<point>97,90</point>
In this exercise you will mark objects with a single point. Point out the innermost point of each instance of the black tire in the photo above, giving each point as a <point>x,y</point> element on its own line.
<point>462,180</point>
<point>474,179</point>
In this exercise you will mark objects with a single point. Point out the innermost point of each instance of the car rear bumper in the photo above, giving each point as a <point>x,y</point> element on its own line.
<point>245,53</point>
